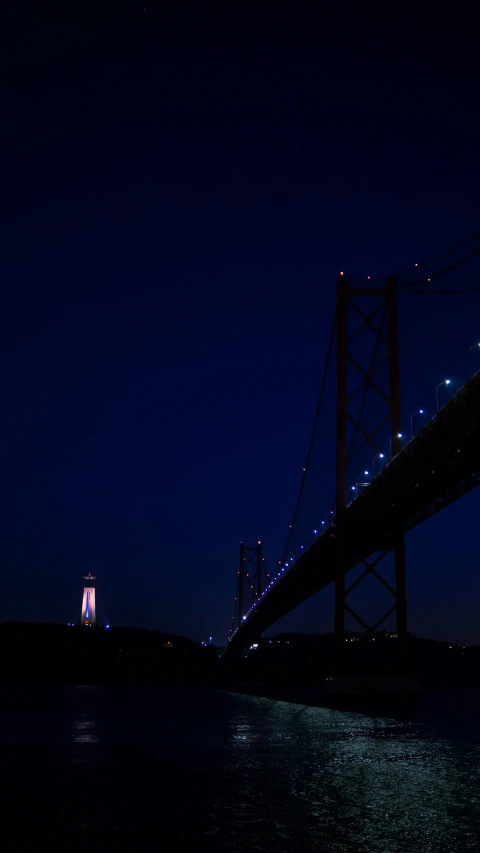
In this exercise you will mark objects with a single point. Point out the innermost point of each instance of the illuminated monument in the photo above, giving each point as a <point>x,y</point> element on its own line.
<point>89,616</point>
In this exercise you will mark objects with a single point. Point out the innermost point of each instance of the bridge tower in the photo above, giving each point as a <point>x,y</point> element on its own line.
<point>368,311</point>
<point>89,615</point>
<point>252,581</point>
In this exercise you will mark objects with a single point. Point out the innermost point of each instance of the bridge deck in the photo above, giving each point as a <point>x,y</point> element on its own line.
<point>438,466</point>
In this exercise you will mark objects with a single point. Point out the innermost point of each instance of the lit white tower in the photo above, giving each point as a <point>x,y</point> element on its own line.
<point>89,616</point>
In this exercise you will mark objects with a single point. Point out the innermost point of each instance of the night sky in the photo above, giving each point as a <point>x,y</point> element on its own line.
<point>179,193</point>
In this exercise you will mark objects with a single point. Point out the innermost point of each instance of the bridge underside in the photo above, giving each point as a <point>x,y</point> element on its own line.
<point>436,468</point>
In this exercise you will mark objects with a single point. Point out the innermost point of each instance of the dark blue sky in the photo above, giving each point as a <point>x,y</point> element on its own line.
<point>178,198</point>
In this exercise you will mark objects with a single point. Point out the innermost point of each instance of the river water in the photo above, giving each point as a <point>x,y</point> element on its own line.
<point>193,770</point>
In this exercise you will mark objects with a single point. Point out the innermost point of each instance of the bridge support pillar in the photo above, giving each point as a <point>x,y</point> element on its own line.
<point>340,501</point>
<point>339,626</point>
<point>252,579</point>
<point>240,585</point>
<point>357,429</point>
<point>400,588</point>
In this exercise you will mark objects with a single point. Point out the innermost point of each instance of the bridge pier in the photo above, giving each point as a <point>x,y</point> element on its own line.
<point>350,421</point>
<point>400,584</point>
<point>340,562</point>
<point>252,579</point>
<point>340,504</point>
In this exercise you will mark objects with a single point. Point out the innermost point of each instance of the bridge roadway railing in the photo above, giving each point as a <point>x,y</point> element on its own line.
<point>438,466</point>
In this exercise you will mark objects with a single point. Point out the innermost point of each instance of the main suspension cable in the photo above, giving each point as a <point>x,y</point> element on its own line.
<point>312,437</point>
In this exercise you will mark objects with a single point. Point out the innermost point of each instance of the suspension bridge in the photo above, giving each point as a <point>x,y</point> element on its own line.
<point>421,463</point>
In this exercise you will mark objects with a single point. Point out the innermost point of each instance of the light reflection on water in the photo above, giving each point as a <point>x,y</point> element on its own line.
<point>224,772</point>
<point>327,779</point>
<point>84,729</point>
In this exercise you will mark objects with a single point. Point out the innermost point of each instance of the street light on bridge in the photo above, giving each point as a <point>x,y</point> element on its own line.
<point>445,382</point>
<point>380,456</point>
<point>393,438</point>
<point>418,412</point>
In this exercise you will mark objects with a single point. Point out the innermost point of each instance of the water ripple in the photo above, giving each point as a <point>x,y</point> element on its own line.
<point>213,771</point>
